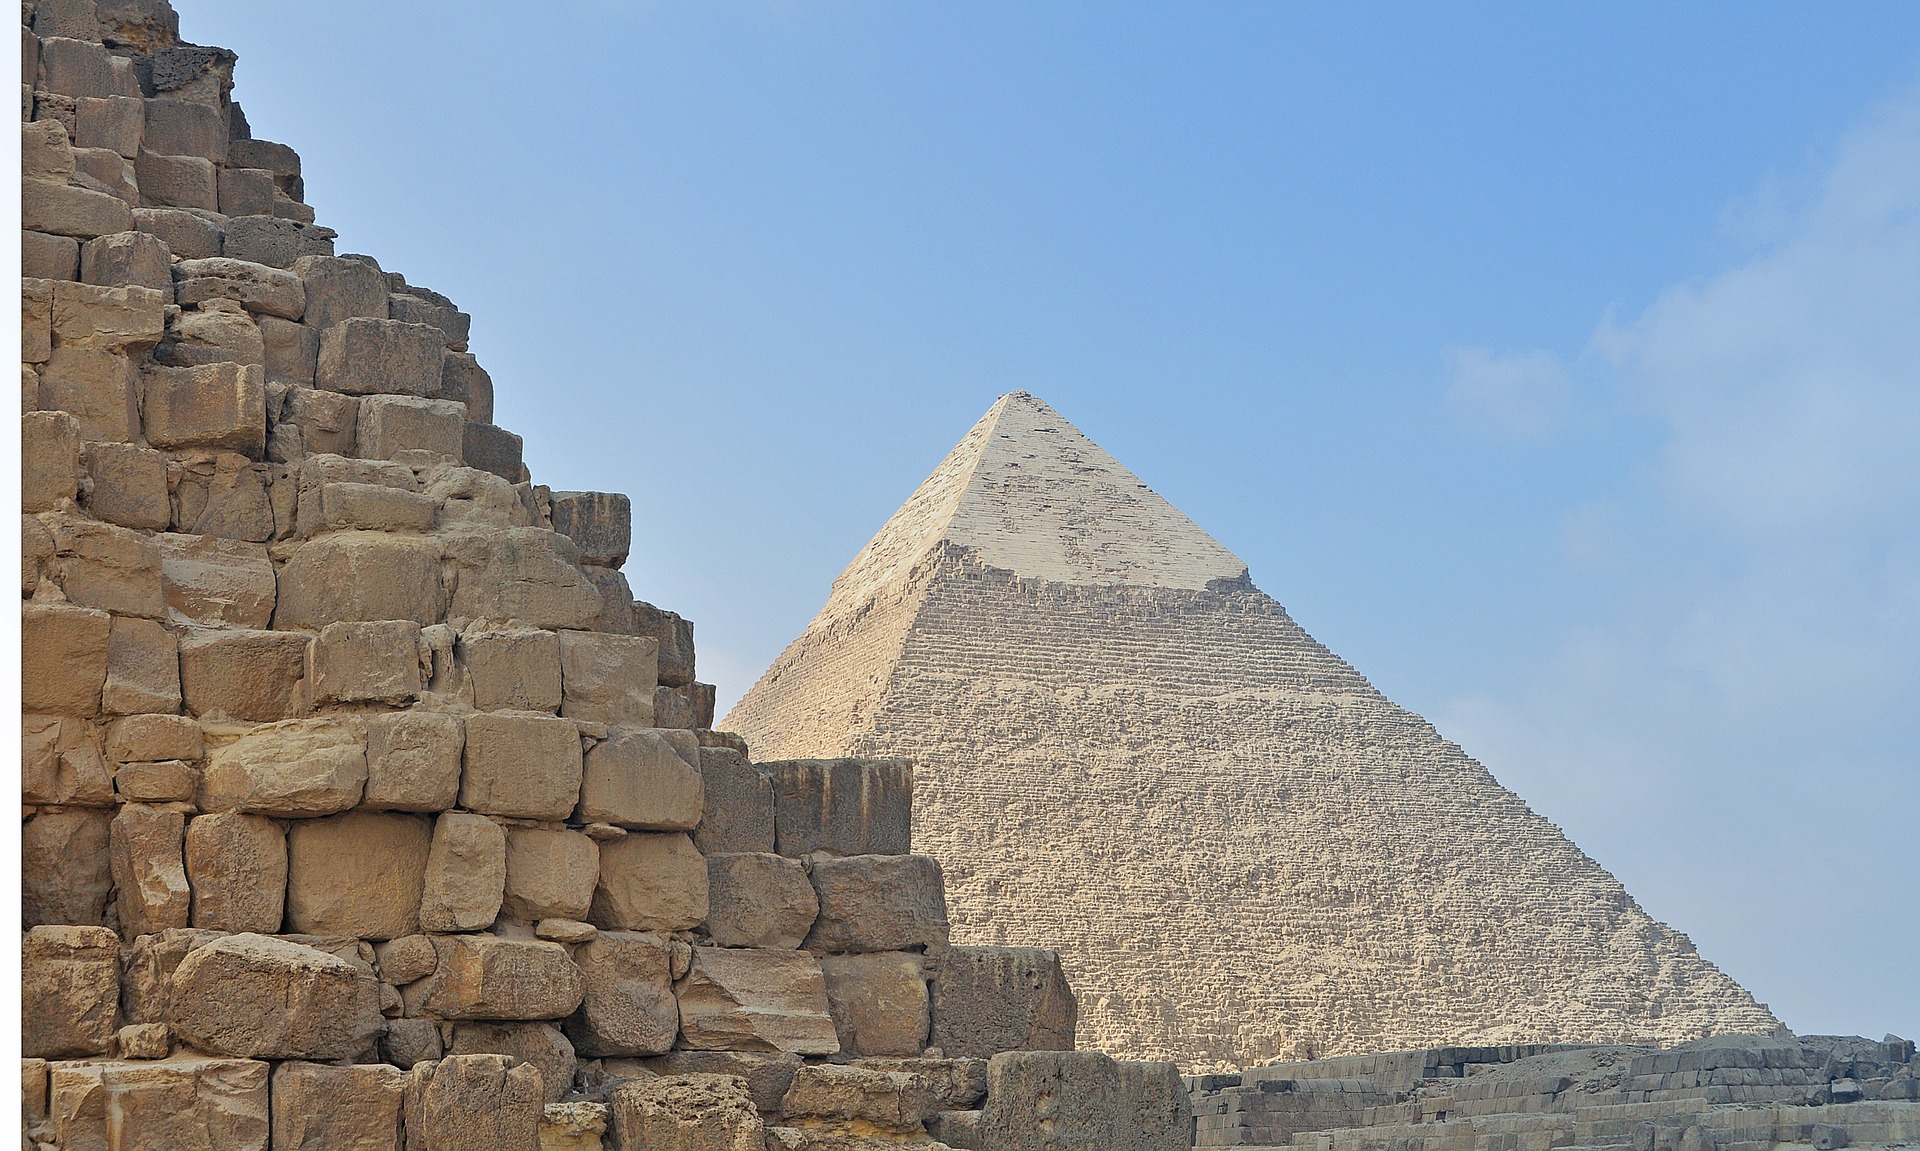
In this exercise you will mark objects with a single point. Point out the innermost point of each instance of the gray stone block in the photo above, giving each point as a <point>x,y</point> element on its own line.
<point>992,999</point>
<point>842,806</point>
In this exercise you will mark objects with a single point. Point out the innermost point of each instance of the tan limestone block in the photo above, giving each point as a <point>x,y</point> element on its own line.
<point>878,903</point>
<point>879,1001</point>
<point>366,662</point>
<point>325,1108</point>
<point>355,575</point>
<point>608,678</point>
<point>45,151</point>
<point>36,552</point>
<point>289,350</point>
<point>540,1045</point>
<point>768,1073</point>
<point>358,874</point>
<point>218,331</point>
<point>187,235</point>
<point>127,319</point>
<point>411,1041</point>
<point>992,999</point>
<point>60,763</point>
<point>391,426</point>
<point>650,882</point>
<point>63,210</point>
<point>265,998</point>
<point>149,871</point>
<point>579,1125</point>
<point>629,1007</point>
<point>474,1103</point>
<point>48,258</point>
<point>550,874</point>
<point>294,769</point>
<point>740,999</point>
<point>643,778</point>
<point>182,1101</point>
<point>50,455</point>
<point>466,873</point>
<point>529,575</point>
<point>371,356</point>
<point>129,486</point>
<point>216,582</point>
<point>895,1101</point>
<point>492,977</point>
<point>252,676</point>
<point>512,670</point>
<point>237,867</point>
<point>128,258</point>
<point>166,781</point>
<point>36,319</point>
<point>736,813</point>
<point>149,964</point>
<point>256,287</point>
<point>69,991</point>
<point>63,658</point>
<point>365,507</point>
<point>759,900</point>
<point>143,669</point>
<point>100,388</point>
<point>413,760</point>
<point>144,1041</point>
<point>403,960</point>
<point>340,289</point>
<point>141,738</point>
<point>521,765</point>
<point>215,405</point>
<point>116,122</point>
<point>695,1112</point>
<point>65,872</point>
<point>107,567</point>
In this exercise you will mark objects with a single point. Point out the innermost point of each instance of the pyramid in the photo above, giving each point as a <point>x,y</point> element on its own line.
<point>1243,850</point>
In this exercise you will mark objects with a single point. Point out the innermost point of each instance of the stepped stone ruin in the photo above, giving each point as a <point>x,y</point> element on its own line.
<point>1242,850</point>
<point>364,806</point>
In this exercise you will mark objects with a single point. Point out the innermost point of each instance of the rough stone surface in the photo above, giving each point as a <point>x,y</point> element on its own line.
<point>264,998</point>
<point>149,870</point>
<point>143,669</point>
<point>754,999</point>
<point>539,1044</point>
<point>237,867</point>
<point>1082,1101</point>
<point>736,812</point>
<point>878,903</point>
<point>608,678</point>
<point>467,872</point>
<point>521,765</point>
<point>490,977</point>
<point>879,1002</point>
<point>759,900</point>
<point>321,1108</point>
<point>360,874</point>
<point>643,778</point>
<point>362,356</point>
<point>372,662</point>
<point>687,1113</point>
<point>512,670</point>
<point>550,874</point>
<point>628,1007</point>
<point>841,806</point>
<point>298,769</point>
<point>213,582</point>
<point>895,1101</point>
<point>413,761</point>
<point>69,991</point>
<point>242,675</point>
<point>186,1101</point>
<point>358,575</point>
<point>65,872</point>
<point>650,882</point>
<point>474,1103</point>
<point>63,658</point>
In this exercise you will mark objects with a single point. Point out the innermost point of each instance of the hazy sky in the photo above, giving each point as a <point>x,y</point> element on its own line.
<point>1557,365</point>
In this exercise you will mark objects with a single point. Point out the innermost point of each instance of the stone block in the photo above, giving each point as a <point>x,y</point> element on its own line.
<point>738,999</point>
<point>106,567</point>
<point>958,1084</point>
<point>185,1101</point>
<point>217,332</point>
<point>616,604</point>
<point>186,128</point>
<point>878,903</point>
<point>894,1101</point>
<point>214,582</point>
<point>416,306</point>
<point>466,873</point>
<point>474,1103</point>
<point>550,874</point>
<point>99,388</point>
<point>761,900</point>
<point>166,782</point>
<point>676,642</point>
<point>60,762</point>
<point>126,319</point>
<point>279,159</point>
<point>362,357</point>
<point>375,661</point>
<point>223,494</point>
<point>515,670</point>
<point>138,738</point>
<point>187,235</point>
<point>82,67</point>
<point>358,874</point>
<point>650,882</point>
<point>540,1045</point>
<point>242,675</point>
<point>237,867</point>
<point>842,806</point>
<point>411,1041</point>
<point>108,171</point>
<point>325,422</point>
<point>63,658</point>
<point>297,769</point>
<point>45,152</point>
<point>341,289</point>
<point>65,872</point>
<point>958,1129</point>
<point>392,425</point>
<point>177,181</point>
<point>687,1113</point>
<point>491,977</point>
<point>69,992</point>
<point>1082,1101</point>
<point>992,999</point>
<point>600,524</point>
<point>143,669</point>
<point>403,960</point>
<point>628,1007</point>
<point>149,870</point>
<point>36,317</point>
<point>275,241</point>
<point>48,257</point>
<point>364,507</point>
<point>528,575</point>
<point>256,287</point>
<point>259,997</point>
<point>290,350</point>
<point>673,708</point>
<point>317,1107</point>
<point>494,450</point>
<point>579,1125</point>
<point>768,1074</point>
<point>144,1041</point>
<point>413,761</point>
<point>129,486</point>
<point>114,122</point>
<point>607,678</point>
<point>207,406</point>
<point>246,192</point>
<point>879,1002</point>
<point>36,553</point>
<point>124,259</point>
<point>356,575</point>
<point>50,456</point>
<point>521,765</point>
<point>66,210</point>
<point>642,778</point>
<point>149,965</point>
<point>464,380</point>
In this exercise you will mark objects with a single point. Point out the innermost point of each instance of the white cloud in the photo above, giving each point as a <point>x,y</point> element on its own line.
<point>1518,393</point>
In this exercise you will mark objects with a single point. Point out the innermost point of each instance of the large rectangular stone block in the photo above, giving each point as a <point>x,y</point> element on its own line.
<point>992,999</point>
<point>260,997</point>
<point>275,241</point>
<point>129,486</point>
<point>255,287</point>
<point>599,523</point>
<point>186,128</point>
<point>521,765</point>
<point>514,670</point>
<point>69,992</point>
<point>358,874</point>
<point>759,900</point>
<point>63,658</point>
<point>342,289</point>
<point>186,1101</point>
<point>390,426</point>
<point>243,675</point>
<point>466,873</point>
<point>608,678</point>
<point>237,867</point>
<point>1082,1101</point>
<point>363,357</point>
<point>77,67</point>
<point>187,235</point>
<point>127,319</point>
<point>495,450</point>
<point>149,869</point>
<point>50,455</point>
<point>297,769</point>
<point>687,1113</point>
<point>114,122</point>
<point>491,977</point>
<point>375,661</point>
<point>528,575</point>
<point>358,575</point>
<point>551,874</point>
<point>65,210</point>
<point>177,181</point>
<point>106,567</point>
<point>650,882</point>
<point>628,1008</point>
<point>143,669</point>
<point>99,387</point>
<point>130,259</point>
<point>742,999</point>
<point>317,1107</point>
<point>207,406</point>
<point>216,582</point>
<point>642,778</point>
<point>474,1103</point>
<point>60,763</point>
<point>842,806</point>
<point>413,761</point>
<point>540,1045</point>
<point>878,903</point>
<point>463,379</point>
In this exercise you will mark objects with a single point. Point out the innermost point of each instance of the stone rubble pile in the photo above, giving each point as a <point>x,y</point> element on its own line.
<point>364,805</point>
<point>1727,1093</point>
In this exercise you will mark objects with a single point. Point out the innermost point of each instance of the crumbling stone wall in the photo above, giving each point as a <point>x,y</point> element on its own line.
<point>364,805</point>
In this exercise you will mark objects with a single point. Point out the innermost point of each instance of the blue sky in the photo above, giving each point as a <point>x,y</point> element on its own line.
<point>1557,365</point>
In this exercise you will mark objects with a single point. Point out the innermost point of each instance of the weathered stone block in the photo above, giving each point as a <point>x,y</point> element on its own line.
<point>129,486</point>
<point>275,241</point>
<point>358,874</point>
<point>894,1101</point>
<point>417,305</point>
<point>768,1074</point>
<point>50,455</point>
<point>521,765</point>
<point>187,235</point>
<point>842,806</point>
<point>99,388</point>
<point>144,1041</point>
<point>992,999</point>
<point>65,874</point>
<point>114,122</point>
<point>77,67</point>
<point>218,331</point>
<point>527,575</point>
<point>256,287</point>
<point>361,576</point>
<point>36,317</point>
<point>466,873</point>
<point>474,1103</point>
<point>576,1125</point>
<point>126,319</point>
<point>45,152</point>
<point>410,1041</point>
<point>167,782</point>
<point>958,1084</point>
<point>493,449</point>
<point>244,675</point>
<point>374,661</point>
<point>491,977</point>
<point>628,1007</point>
<point>599,523</point>
<point>65,210</point>
<point>688,1113</point>
<point>264,998</point>
<point>392,425</point>
<point>642,778</point>
<point>607,678</point>
<point>1082,1101</point>
<point>676,642</point>
<point>128,259</point>
<point>63,658</point>
<point>297,769</point>
<point>362,357</point>
<point>341,289</point>
<point>650,882</point>
<point>60,763</point>
<point>317,1107</point>
<point>540,1045</point>
<point>107,567</point>
<point>463,379</point>
<point>149,871</point>
<point>186,128</point>
<point>760,900</point>
<point>220,405</point>
<point>878,903</point>
<point>177,181</point>
<point>137,738</point>
<point>47,257</point>
<point>512,670</point>
<point>879,1001</point>
<point>69,992</point>
<point>246,192</point>
<point>147,982</point>
<point>550,874</point>
<point>186,1101</point>
<point>740,999</point>
<point>289,351</point>
<point>363,507</point>
<point>413,761</point>
<point>216,582</point>
<point>143,669</point>
<point>237,867</point>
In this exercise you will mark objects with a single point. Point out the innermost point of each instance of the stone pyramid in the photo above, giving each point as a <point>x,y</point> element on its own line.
<point>1242,848</point>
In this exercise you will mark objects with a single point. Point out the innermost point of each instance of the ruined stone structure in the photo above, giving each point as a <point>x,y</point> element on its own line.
<point>364,806</point>
<point>1241,848</point>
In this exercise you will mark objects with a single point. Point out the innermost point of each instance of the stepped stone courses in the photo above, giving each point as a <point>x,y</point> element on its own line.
<point>364,806</point>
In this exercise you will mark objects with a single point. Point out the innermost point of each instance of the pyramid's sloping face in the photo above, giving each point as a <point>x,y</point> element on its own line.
<point>1242,849</point>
